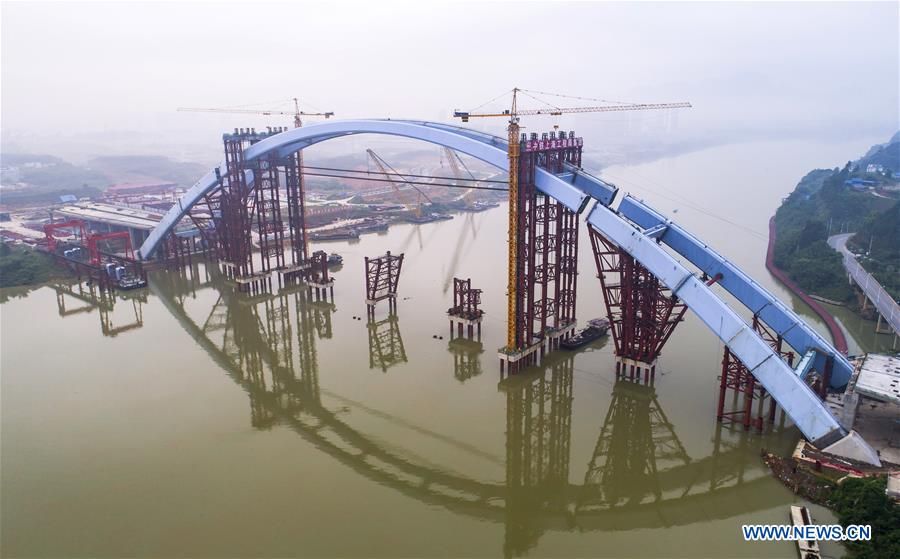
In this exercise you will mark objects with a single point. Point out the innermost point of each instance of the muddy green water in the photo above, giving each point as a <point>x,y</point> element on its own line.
<point>196,422</point>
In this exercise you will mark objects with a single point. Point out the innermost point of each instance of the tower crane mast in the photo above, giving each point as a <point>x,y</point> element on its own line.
<point>513,114</point>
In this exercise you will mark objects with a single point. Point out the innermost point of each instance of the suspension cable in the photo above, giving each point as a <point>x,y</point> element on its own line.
<point>399,175</point>
<point>447,185</point>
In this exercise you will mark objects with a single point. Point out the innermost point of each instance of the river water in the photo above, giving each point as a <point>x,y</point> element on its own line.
<point>195,422</point>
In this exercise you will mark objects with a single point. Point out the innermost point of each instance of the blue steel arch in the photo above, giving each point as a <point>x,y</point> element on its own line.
<point>640,231</point>
<point>485,147</point>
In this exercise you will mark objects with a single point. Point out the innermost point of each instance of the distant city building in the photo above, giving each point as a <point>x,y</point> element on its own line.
<point>872,168</point>
<point>859,184</point>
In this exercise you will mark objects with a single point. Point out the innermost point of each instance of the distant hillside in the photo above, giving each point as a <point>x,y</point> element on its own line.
<point>823,204</point>
<point>47,173</point>
<point>135,168</point>
<point>47,177</point>
<point>801,249</point>
<point>887,155</point>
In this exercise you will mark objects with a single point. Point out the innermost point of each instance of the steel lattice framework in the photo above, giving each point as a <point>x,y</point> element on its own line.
<point>382,278</point>
<point>465,312</point>
<point>546,260</point>
<point>740,381</point>
<point>637,229</point>
<point>246,200</point>
<point>643,313</point>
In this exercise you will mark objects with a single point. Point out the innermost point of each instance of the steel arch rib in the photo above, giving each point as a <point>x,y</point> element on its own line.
<point>575,189</point>
<point>480,146</point>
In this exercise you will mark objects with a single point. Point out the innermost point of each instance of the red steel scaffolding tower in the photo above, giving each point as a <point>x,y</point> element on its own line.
<point>547,253</point>
<point>737,378</point>
<point>642,311</point>
<point>465,311</point>
<point>382,277</point>
<point>232,213</point>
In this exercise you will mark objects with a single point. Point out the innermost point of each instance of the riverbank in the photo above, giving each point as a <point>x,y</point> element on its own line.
<point>837,335</point>
<point>20,267</point>
<point>855,493</point>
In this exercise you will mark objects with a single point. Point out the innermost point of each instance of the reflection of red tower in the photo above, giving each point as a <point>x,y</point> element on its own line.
<point>736,377</point>
<point>642,312</point>
<point>386,347</point>
<point>318,280</point>
<point>637,441</point>
<point>538,448</point>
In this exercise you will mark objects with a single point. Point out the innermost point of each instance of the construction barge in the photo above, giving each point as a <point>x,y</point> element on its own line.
<point>596,329</point>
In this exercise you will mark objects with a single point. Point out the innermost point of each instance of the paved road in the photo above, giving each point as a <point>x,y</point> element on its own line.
<point>884,303</point>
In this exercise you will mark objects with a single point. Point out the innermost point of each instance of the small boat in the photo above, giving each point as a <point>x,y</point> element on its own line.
<point>482,206</point>
<point>334,235</point>
<point>375,226</point>
<point>596,329</point>
<point>335,259</point>
<point>808,549</point>
<point>127,284</point>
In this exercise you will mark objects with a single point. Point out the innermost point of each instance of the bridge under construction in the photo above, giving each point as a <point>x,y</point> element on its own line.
<point>652,270</point>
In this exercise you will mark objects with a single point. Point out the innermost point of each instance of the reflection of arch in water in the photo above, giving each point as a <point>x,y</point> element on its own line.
<point>634,228</point>
<point>537,495</point>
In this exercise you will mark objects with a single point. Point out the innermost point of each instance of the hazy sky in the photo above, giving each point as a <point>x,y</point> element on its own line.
<point>750,69</point>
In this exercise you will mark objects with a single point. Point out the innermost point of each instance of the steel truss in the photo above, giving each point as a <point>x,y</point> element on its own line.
<point>738,379</point>
<point>465,312</point>
<point>230,214</point>
<point>642,312</point>
<point>547,255</point>
<point>319,282</point>
<point>382,277</point>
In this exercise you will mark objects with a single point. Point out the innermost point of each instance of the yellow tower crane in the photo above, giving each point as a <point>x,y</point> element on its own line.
<point>513,115</point>
<point>296,113</point>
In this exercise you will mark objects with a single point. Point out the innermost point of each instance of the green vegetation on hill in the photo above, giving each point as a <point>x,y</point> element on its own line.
<point>20,266</point>
<point>820,205</point>
<point>801,249</point>
<point>880,237</point>
<point>863,501</point>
